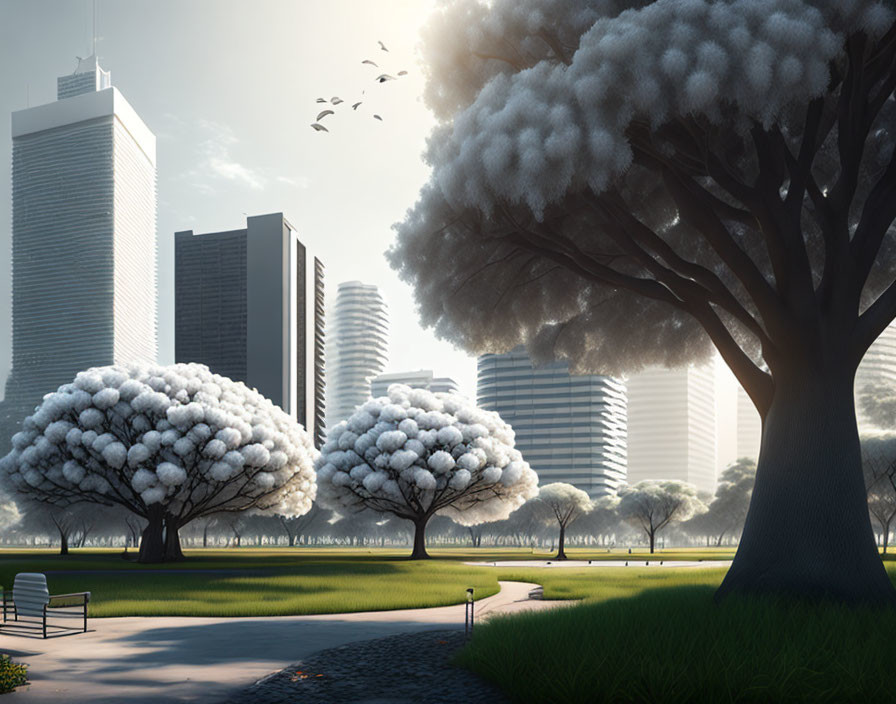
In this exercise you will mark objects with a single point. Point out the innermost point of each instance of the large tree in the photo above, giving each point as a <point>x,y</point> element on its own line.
<point>170,444</point>
<point>414,454</point>
<point>629,183</point>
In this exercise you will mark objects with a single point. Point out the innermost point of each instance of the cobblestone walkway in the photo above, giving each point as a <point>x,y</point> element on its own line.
<point>408,668</point>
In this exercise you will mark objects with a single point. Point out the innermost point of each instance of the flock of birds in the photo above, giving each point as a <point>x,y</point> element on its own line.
<point>336,100</point>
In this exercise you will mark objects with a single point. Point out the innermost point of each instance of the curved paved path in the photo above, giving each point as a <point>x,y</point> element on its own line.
<point>157,660</point>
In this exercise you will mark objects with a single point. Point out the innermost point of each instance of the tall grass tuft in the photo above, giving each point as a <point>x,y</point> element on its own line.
<point>675,645</point>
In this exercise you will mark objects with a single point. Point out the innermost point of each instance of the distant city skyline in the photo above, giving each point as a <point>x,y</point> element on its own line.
<point>225,154</point>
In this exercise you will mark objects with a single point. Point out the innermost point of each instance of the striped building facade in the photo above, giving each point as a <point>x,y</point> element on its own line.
<point>570,428</point>
<point>357,347</point>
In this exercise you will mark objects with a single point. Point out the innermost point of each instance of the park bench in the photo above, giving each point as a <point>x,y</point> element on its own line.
<point>31,599</point>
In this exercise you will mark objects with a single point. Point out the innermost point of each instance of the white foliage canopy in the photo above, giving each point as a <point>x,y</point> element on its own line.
<point>538,101</point>
<point>653,504</point>
<point>179,436</point>
<point>528,136</point>
<point>562,503</point>
<point>414,453</point>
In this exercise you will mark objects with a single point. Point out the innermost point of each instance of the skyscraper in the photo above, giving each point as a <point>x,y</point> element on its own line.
<point>356,348</point>
<point>83,238</point>
<point>249,305</point>
<point>671,425</point>
<point>421,379</point>
<point>570,428</point>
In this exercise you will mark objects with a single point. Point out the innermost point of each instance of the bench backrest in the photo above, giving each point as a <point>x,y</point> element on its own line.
<point>30,593</point>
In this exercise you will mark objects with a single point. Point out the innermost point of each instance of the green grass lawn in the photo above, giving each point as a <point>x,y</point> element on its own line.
<point>280,581</point>
<point>641,634</point>
<point>651,635</point>
<point>248,582</point>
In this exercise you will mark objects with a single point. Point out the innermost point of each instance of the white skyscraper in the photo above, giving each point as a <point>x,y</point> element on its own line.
<point>356,347</point>
<point>672,425</point>
<point>570,428</point>
<point>83,239</point>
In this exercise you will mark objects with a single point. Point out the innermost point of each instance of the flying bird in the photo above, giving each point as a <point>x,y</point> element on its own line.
<point>382,46</point>
<point>323,114</point>
<point>319,128</point>
<point>321,100</point>
<point>335,101</point>
<point>383,77</point>
<point>377,117</point>
<point>355,106</point>
<point>368,61</point>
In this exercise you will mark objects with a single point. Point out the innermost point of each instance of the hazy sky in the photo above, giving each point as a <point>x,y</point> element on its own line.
<point>229,89</point>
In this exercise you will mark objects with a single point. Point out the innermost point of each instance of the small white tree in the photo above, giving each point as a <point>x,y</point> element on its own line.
<point>170,444</point>
<point>562,504</point>
<point>651,505</point>
<point>415,454</point>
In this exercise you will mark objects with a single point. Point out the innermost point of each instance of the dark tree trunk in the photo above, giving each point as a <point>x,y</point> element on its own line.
<point>419,552</point>
<point>808,532</point>
<point>205,536</point>
<point>651,535</point>
<point>561,553</point>
<point>152,543</point>
<point>63,542</point>
<point>173,552</point>
<point>719,541</point>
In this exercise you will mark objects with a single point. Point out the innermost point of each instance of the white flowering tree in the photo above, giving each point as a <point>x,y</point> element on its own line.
<point>170,444</point>
<point>561,504</point>
<point>629,183</point>
<point>651,505</point>
<point>414,454</point>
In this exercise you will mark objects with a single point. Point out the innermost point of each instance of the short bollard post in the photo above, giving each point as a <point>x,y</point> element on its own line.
<point>468,614</point>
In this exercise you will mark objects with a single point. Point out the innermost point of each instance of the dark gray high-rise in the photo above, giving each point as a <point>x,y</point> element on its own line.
<point>249,304</point>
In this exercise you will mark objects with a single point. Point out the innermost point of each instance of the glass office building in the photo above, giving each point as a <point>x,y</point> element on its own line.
<point>570,428</point>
